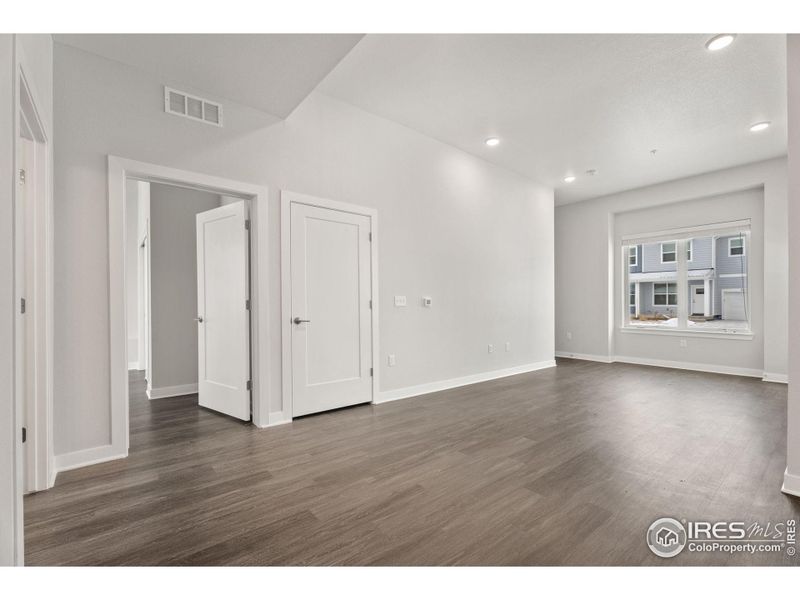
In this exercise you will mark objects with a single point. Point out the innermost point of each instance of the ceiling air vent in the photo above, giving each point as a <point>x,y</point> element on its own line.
<point>189,106</point>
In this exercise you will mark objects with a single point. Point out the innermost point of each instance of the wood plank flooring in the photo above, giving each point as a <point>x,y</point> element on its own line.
<point>566,466</point>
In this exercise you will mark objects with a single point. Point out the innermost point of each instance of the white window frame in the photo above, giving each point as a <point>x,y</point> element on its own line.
<point>682,238</point>
<point>744,247</point>
<point>667,293</point>
<point>635,262</point>
<point>675,252</point>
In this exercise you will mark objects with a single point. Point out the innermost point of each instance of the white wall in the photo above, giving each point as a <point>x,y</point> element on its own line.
<point>792,479</point>
<point>132,270</point>
<point>440,211</point>
<point>173,280</point>
<point>583,272</point>
<point>33,53</point>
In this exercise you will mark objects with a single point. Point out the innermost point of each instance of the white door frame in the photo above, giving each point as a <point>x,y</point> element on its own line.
<point>287,199</point>
<point>119,170</point>
<point>39,310</point>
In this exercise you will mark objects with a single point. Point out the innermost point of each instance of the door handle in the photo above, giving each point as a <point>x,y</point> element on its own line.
<point>199,319</point>
<point>298,320</point>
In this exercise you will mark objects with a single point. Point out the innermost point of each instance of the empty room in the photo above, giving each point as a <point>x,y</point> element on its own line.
<point>400,299</point>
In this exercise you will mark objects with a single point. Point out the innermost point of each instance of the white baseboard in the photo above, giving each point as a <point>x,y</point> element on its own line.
<point>84,458</point>
<point>791,484</point>
<point>170,391</point>
<point>775,377</point>
<point>438,386</point>
<point>579,356</point>
<point>690,366</point>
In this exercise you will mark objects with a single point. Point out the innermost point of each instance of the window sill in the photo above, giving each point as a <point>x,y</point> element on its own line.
<point>674,331</point>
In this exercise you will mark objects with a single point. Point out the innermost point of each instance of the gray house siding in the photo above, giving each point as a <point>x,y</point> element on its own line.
<point>729,265</point>
<point>651,255</point>
<point>701,253</point>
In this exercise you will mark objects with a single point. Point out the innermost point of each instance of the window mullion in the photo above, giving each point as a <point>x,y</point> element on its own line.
<point>682,280</point>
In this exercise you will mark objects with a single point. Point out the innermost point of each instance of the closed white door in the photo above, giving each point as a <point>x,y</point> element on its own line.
<point>698,300</point>
<point>331,304</point>
<point>223,319</point>
<point>733,305</point>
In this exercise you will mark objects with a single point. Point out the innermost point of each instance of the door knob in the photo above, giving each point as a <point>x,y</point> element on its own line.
<point>298,320</point>
<point>199,319</point>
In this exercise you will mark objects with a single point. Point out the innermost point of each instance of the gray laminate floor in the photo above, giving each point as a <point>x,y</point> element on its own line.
<point>562,466</point>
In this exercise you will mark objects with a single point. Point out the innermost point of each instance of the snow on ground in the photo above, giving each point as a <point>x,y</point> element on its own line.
<point>716,325</point>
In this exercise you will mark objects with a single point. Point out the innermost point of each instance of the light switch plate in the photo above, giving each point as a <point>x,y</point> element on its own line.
<point>400,301</point>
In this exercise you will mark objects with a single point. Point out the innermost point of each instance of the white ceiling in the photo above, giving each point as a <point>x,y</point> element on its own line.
<point>563,104</point>
<point>272,73</point>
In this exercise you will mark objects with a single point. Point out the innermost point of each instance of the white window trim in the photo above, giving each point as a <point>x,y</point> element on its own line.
<point>635,262</point>
<point>667,293</point>
<point>744,247</point>
<point>675,252</point>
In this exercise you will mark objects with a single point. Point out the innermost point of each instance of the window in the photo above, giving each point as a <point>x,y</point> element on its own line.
<point>668,252</point>
<point>700,284</point>
<point>633,256</point>
<point>665,294</point>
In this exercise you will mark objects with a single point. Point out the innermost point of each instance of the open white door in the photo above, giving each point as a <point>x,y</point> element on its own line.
<point>331,302</point>
<point>223,319</point>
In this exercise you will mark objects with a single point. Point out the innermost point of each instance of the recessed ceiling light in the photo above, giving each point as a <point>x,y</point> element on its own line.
<point>718,42</point>
<point>569,178</point>
<point>492,141</point>
<point>756,127</point>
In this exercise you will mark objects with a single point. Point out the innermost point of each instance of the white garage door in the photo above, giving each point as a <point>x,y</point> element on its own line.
<point>733,308</point>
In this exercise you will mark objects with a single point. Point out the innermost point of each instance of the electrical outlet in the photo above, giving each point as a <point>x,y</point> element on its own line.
<point>392,360</point>
<point>508,346</point>
<point>491,348</point>
<point>684,344</point>
<point>400,301</point>
<point>427,301</point>
<point>569,335</point>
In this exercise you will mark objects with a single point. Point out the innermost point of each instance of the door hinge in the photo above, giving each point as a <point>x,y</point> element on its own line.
<point>247,304</point>
<point>249,384</point>
<point>247,223</point>
<point>22,305</point>
<point>370,304</point>
<point>22,176</point>
<point>370,236</point>
<point>371,371</point>
<point>24,434</point>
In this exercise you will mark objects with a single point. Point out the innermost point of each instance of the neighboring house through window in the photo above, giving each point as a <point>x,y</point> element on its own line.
<point>689,250</point>
<point>633,256</point>
<point>668,253</point>
<point>665,294</point>
<point>736,246</point>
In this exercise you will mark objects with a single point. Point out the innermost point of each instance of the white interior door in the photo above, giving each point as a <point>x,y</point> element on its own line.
<point>331,304</point>
<point>223,319</point>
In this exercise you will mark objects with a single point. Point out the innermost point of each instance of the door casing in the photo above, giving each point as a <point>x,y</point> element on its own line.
<point>119,170</point>
<point>287,199</point>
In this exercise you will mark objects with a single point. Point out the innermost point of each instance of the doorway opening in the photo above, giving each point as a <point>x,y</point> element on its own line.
<point>181,247</point>
<point>188,296</point>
